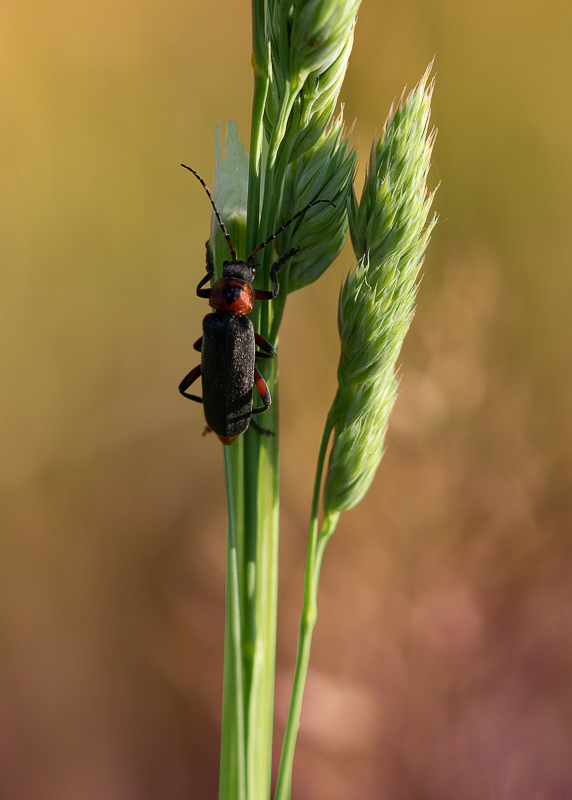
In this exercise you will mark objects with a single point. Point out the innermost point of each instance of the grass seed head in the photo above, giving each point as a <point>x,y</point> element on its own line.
<point>311,41</point>
<point>323,173</point>
<point>389,233</point>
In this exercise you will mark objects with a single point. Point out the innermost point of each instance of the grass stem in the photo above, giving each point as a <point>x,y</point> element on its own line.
<point>233,757</point>
<point>317,541</point>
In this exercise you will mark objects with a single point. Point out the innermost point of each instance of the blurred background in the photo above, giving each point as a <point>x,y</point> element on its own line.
<point>443,653</point>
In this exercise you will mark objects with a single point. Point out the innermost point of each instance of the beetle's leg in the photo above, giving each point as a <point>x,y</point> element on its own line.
<point>270,294</point>
<point>263,391</point>
<point>266,399</point>
<point>206,293</point>
<point>260,429</point>
<point>187,381</point>
<point>269,351</point>
<point>198,345</point>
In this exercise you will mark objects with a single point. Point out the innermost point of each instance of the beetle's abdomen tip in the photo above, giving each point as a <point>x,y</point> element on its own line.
<point>227,439</point>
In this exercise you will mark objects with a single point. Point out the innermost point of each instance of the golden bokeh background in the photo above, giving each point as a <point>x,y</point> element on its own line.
<point>443,653</point>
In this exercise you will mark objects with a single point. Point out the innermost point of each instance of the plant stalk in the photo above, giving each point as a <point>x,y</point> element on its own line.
<point>252,473</point>
<point>316,544</point>
<point>233,763</point>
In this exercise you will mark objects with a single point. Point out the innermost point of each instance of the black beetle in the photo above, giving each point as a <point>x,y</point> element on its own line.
<point>228,344</point>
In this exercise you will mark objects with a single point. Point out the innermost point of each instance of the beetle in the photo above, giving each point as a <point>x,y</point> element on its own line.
<point>228,344</point>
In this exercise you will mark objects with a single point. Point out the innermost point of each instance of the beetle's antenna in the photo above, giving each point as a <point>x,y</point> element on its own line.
<point>215,209</point>
<point>274,235</point>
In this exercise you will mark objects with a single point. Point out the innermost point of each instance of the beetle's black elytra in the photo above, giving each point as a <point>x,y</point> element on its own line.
<point>228,344</point>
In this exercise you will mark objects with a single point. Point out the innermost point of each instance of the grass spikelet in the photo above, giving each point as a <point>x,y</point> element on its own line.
<point>389,236</point>
<point>311,41</point>
<point>324,172</point>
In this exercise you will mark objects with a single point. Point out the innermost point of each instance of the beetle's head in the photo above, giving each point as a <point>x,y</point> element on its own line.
<point>238,269</point>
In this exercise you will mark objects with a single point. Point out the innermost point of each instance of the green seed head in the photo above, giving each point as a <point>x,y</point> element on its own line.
<point>311,41</point>
<point>317,100</point>
<point>320,30</point>
<point>389,236</point>
<point>358,445</point>
<point>323,173</point>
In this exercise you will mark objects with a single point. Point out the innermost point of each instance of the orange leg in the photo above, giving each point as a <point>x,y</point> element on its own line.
<point>187,381</point>
<point>262,391</point>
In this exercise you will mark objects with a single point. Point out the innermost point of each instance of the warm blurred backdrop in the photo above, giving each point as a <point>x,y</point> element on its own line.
<point>443,653</point>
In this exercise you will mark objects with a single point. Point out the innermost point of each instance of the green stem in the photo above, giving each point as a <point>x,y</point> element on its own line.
<point>261,66</point>
<point>316,545</point>
<point>271,314</point>
<point>262,462</point>
<point>252,471</point>
<point>233,752</point>
<point>252,572</point>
